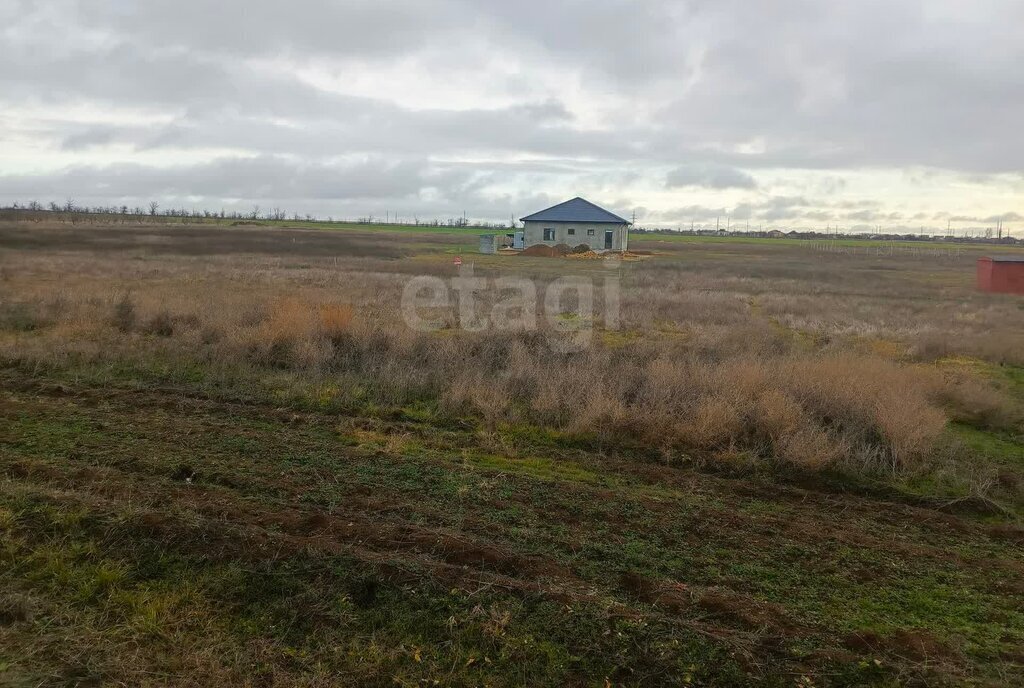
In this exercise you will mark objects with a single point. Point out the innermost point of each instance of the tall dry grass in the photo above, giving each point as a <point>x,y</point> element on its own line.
<point>717,365</point>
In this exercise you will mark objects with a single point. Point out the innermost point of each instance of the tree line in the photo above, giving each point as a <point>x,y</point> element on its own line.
<point>154,210</point>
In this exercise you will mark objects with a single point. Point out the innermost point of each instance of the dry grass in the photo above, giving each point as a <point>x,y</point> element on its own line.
<point>717,363</point>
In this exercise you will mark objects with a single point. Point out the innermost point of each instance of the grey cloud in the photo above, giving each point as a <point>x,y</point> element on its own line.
<point>780,207</point>
<point>1005,217</point>
<point>820,96</point>
<point>348,189</point>
<point>862,216</point>
<point>1009,216</point>
<point>731,87</point>
<point>710,176</point>
<point>362,125</point>
<point>692,213</point>
<point>246,178</point>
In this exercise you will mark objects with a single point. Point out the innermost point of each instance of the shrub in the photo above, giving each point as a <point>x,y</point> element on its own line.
<point>970,400</point>
<point>161,324</point>
<point>883,410</point>
<point>335,320</point>
<point>124,315</point>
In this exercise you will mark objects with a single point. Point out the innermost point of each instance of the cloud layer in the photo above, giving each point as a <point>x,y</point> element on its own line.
<point>897,113</point>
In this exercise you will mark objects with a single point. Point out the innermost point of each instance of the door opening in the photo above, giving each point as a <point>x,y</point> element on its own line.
<point>608,234</point>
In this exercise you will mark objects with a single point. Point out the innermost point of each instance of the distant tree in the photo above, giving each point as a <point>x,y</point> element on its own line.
<point>69,205</point>
<point>153,207</point>
<point>255,212</point>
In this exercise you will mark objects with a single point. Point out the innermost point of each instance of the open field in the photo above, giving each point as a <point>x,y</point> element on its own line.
<point>224,457</point>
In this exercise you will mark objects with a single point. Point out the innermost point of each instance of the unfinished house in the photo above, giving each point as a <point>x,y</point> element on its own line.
<point>576,222</point>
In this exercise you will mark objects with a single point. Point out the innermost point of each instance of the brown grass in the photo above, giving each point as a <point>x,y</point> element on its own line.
<point>715,361</point>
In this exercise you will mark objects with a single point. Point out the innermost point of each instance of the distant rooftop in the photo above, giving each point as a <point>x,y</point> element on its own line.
<point>576,210</point>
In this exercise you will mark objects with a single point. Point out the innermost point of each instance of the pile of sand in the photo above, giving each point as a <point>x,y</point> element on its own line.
<point>563,249</point>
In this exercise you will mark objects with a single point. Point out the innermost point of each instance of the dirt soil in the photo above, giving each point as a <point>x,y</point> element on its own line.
<point>152,535</point>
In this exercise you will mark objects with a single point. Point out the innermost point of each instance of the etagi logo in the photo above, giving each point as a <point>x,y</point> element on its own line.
<point>565,306</point>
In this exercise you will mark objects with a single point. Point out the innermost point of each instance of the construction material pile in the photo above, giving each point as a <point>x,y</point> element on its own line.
<point>542,251</point>
<point>585,255</point>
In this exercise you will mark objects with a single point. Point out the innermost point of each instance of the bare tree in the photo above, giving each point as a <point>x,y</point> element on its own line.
<point>153,207</point>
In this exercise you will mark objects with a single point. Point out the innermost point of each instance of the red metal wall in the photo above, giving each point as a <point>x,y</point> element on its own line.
<point>1001,277</point>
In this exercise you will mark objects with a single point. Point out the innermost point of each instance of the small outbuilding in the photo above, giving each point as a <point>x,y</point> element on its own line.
<point>1001,274</point>
<point>576,222</point>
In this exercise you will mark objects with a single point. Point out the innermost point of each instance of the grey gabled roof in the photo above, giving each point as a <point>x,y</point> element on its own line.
<point>575,210</point>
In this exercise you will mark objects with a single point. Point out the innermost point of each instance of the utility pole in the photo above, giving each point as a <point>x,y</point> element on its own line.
<point>717,228</point>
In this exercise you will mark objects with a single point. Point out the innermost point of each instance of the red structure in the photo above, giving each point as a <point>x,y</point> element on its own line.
<point>1000,274</point>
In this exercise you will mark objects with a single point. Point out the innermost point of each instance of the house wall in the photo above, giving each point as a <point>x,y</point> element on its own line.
<point>534,234</point>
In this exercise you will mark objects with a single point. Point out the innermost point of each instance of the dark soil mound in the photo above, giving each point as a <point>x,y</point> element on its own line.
<point>541,250</point>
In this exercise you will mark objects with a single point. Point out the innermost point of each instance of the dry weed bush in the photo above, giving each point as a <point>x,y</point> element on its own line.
<point>161,324</point>
<point>123,316</point>
<point>933,345</point>
<point>293,333</point>
<point>977,402</point>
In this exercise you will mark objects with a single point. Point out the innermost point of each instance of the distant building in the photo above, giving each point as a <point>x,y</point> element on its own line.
<point>1001,274</point>
<point>577,222</point>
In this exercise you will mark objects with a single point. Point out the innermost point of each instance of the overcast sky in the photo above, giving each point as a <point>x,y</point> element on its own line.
<point>865,113</point>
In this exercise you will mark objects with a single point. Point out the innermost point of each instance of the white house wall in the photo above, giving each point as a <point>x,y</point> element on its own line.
<point>534,234</point>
